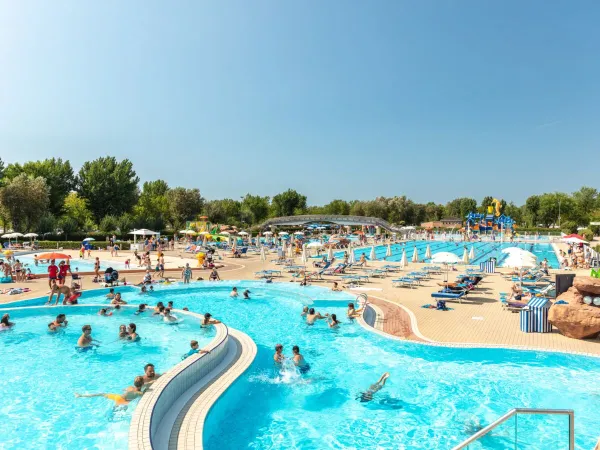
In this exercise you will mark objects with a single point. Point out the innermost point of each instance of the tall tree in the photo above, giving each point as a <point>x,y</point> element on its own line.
<point>337,207</point>
<point>25,200</point>
<point>58,174</point>
<point>288,203</point>
<point>255,208</point>
<point>532,207</point>
<point>152,209</point>
<point>108,185</point>
<point>487,201</point>
<point>76,208</point>
<point>586,200</point>
<point>224,211</point>
<point>184,204</point>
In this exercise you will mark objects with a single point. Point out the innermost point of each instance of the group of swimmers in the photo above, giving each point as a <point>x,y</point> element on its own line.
<point>234,293</point>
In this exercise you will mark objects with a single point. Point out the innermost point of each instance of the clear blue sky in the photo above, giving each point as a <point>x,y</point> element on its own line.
<point>432,99</point>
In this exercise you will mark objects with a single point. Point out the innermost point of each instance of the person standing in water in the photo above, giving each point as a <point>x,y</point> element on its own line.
<point>86,340</point>
<point>313,316</point>
<point>333,322</point>
<point>278,356</point>
<point>299,360</point>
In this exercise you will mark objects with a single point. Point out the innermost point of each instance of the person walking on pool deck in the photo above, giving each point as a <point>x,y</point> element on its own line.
<point>186,273</point>
<point>129,394</point>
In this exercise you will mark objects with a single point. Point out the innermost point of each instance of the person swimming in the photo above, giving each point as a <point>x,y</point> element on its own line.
<point>5,322</point>
<point>141,309</point>
<point>333,322</point>
<point>86,340</point>
<point>278,356</point>
<point>208,321</point>
<point>129,394</point>
<point>60,322</point>
<point>299,360</point>
<point>304,312</point>
<point>157,308</point>
<point>104,312</point>
<point>234,292</point>
<point>367,396</point>
<point>313,316</point>
<point>123,332</point>
<point>150,375</point>
<point>246,294</point>
<point>132,333</point>
<point>195,348</point>
<point>352,312</point>
<point>168,317</point>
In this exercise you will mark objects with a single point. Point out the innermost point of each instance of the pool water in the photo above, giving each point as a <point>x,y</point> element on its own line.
<point>483,251</point>
<point>41,372</point>
<point>77,265</point>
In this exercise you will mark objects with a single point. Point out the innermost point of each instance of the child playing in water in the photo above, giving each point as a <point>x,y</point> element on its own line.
<point>129,394</point>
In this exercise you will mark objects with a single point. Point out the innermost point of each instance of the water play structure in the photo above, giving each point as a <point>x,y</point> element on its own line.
<point>492,221</point>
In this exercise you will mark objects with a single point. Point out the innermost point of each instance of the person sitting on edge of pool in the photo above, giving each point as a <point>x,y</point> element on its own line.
<point>129,394</point>
<point>367,396</point>
<point>86,340</point>
<point>214,276</point>
<point>278,356</point>
<point>60,322</point>
<point>132,333</point>
<point>208,321</point>
<point>313,316</point>
<point>299,360</point>
<point>234,292</point>
<point>150,376</point>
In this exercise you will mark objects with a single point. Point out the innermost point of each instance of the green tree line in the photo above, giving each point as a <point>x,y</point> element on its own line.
<point>105,195</point>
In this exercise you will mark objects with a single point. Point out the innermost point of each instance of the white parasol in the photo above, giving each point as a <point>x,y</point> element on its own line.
<point>472,253</point>
<point>403,260</point>
<point>304,258</point>
<point>428,252</point>
<point>445,258</point>
<point>372,255</point>
<point>329,254</point>
<point>415,257</point>
<point>465,258</point>
<point>263,255</point>
<point>351,257</point>
<point>388,252</point>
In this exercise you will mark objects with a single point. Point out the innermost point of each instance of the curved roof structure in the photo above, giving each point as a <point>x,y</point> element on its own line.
<point>330,218</point>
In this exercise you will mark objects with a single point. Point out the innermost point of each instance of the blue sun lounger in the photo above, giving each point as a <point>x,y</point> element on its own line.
<point>404,282</point>
<point>355,278</point>
<point>449,295</point>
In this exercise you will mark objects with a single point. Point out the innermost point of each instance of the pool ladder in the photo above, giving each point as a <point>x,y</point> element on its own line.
<point>515,413</point>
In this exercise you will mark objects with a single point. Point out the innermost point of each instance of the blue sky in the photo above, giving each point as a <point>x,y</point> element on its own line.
<point>431,99</point>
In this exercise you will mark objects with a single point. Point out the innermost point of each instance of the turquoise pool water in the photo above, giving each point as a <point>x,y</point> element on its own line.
<point>483,251</point>
<point>79,265</point>
<point>40,373</point>
<point>435,396</point>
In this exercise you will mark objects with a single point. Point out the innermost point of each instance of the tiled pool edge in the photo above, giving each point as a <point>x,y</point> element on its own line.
<point>155,403</point>
<point>188,432</point>
<point>371,316</point>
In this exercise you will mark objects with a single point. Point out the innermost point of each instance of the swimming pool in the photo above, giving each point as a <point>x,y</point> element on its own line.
<point>77,265</point>
<point>435,397</point>
<point>483,251</point>
<point>41,371</point>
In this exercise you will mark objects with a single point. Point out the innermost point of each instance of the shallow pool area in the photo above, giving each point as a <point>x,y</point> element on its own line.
<point>42,371</point>
<point>435,396</point>
<point>77,264</point>
<point>483,251</point>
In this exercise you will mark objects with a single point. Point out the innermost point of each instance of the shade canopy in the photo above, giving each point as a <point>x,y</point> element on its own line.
<point>143,232</point>
<point>445,258</point>
<point>428,252</point>
<point>314,244</point>
<point>519,260</point>
<point>574,240</point>
<point>415,256</point>
<point>372,255</point>
<point>268,233</point>
<point>403,260</point>
<point>87,239</point>
<point>31,235</point>
<point>243,233</point>
<point>53,255</point>
<point>465,258</point>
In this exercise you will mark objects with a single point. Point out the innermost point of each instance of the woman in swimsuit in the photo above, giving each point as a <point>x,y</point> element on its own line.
<point>208,321</point>
<point>333,322</point>
<point>5,322</point>
<point>131,332</point>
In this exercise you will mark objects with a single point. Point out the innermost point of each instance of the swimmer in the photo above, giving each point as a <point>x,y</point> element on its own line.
<point>335,287</point>
<point>234,292</point>
<point>194,349</point>
<point>367,396</point>
<point>304,312</point>
<point>5,323</point>
<point>111,294</point>
<point>246,294</point>
<point>313,316</point>
<point>143,290</point>
<point>86,340</point>
<point>129,394</point>
<point>170,305</point>
<point>299,360</point>
<point>333,322</point>
<point>208,321</point>
<point>117,300</point>
<point>104,312</point>
<point>353,313</point>
<point>150,376</point>
<point>132,333</point>
<point>60,322</point>
<point>157,308</point>
<point>278,356</point>
<point>141,309</point>
<point>168,317</point>
<point>123,332</point>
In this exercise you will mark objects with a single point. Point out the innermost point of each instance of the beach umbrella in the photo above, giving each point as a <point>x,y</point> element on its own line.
<point>329,254</point>
<point>53,255</point>
<point>291,251</point>
<point>314,244</point>
<point>283,233</point>
<point>243,233</point>
<point>428,252</point>
<point>372,255</point>
<point>16,235</point>
<point>351,257</point>
<point>30,235</point>
<point>388,252</point>
<point>268,233</point>
<point>89,239</point>
<point>304,258</point>
<point>415,257</point>
<point>472,253</point>
<point>403,261</point>
<point>263,255</point>
<point>299,232</point>
<point>465,258</point>
<point>519,260</point>
<point>445,258</point>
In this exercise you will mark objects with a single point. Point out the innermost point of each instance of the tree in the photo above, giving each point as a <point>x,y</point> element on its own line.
<point>461,207</point>
<point>555,204</point>
<point>288,203</point>
<point>109,224</point>
<point>25,200</point>
<point>108,185</point>
<point>224,211</point>
<point>337,207</point>
<point>184,204</point>
<point>568,227</point>
<point>586,200</point>
<point>58,174</point>
<point>47,224</point>
<point>1,172</point>
<point>255,208</point>
<point>152,210</point>
<point>532,207</point>
<point>76,208</point>
<point>67,225</point>
<point>487,201</point>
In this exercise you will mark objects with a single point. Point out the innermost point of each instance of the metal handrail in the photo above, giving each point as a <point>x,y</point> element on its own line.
<point>516,411</point>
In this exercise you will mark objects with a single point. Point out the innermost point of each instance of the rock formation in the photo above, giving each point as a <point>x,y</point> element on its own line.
<point>576,319</point>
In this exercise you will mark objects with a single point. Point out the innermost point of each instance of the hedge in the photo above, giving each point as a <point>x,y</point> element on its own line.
<point>100,237</point>
<point>76,245</point>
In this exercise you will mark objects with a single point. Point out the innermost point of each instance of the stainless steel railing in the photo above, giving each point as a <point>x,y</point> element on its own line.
<point>517,411</point>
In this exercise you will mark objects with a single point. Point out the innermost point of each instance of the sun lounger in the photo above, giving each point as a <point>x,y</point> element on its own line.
<point>376,273</point>
<point>404,282</point>
<point>449,295</point>
<point>355,278</point>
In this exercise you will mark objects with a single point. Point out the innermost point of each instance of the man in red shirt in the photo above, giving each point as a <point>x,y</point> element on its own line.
<point>52,273</point>
<point>63,268</point>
